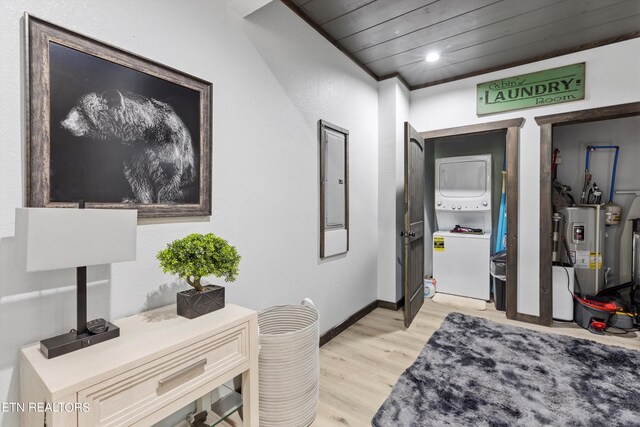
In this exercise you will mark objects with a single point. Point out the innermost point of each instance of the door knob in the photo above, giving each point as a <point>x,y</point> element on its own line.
<point>407,233</point>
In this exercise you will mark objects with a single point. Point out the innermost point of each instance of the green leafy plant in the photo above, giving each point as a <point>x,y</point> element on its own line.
<point>200,255</point>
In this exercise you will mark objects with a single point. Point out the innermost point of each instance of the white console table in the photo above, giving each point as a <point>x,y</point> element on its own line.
<point>160,363</point>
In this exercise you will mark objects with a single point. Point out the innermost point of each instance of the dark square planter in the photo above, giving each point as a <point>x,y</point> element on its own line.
<point>192,303</point>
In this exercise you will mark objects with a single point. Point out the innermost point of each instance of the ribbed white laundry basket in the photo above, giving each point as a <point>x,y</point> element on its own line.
<point>289,365</point>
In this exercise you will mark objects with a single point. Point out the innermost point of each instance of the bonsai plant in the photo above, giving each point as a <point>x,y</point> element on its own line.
<point>194,257</point>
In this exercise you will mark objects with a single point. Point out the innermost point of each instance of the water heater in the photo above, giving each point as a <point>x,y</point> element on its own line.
<point>585,234</point>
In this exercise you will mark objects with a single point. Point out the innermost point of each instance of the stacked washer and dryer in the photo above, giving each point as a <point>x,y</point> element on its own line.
<point>461,260</point>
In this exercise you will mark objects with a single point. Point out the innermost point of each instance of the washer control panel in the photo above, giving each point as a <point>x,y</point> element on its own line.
<point>463,205</point>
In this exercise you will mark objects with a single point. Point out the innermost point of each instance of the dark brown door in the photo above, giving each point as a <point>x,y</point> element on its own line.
<point>413,233</point>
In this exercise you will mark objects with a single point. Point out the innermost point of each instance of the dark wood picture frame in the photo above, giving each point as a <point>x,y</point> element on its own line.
<point>40,36</point>
<point>324,125</point>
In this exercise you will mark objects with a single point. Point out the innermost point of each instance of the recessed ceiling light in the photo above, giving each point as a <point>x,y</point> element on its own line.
<point>432,57</point>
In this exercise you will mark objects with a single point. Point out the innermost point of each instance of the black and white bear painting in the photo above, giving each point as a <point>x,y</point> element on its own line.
<point>119,135</point>
<point>163,169</point>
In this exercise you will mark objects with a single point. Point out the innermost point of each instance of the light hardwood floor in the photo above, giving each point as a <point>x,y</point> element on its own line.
<point>359,367</point>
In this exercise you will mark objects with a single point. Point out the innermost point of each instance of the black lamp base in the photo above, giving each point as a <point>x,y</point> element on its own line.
<point>71,341</point>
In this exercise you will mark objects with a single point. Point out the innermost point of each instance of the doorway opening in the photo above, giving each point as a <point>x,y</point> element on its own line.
<point>500,139</point>
<point>587,142</point>
<point>491,144</point>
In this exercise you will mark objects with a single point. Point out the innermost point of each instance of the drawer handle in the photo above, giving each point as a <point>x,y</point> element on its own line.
<point>181,372</point>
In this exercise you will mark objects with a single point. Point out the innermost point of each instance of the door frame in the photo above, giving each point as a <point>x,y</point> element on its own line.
<point>512,127</point>
<point>546,124</point>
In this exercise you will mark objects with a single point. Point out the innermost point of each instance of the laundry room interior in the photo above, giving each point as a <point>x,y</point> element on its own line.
<point>596,202</point>
<point>463,194</point>
<point>319,213</point>
<point>595,219</point>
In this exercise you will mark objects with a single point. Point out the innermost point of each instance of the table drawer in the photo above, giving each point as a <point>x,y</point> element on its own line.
<point>126,398</point>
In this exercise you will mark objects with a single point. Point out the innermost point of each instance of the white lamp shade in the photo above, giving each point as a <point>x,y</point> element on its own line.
<point>55,238</point>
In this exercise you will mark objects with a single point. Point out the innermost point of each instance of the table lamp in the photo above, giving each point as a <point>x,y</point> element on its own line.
<point>56,238</point>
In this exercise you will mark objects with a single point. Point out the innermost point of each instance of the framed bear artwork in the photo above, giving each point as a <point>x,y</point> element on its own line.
<point>113,129</point>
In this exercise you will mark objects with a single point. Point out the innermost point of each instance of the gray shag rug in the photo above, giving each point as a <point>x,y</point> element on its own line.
<point>474,372</point>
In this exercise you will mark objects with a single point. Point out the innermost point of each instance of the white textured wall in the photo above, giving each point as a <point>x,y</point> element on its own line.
<point>386,187</point>
<point>273,78</point>
<point>393,111</point>
<point>402,116</point>
<point>611,78</point>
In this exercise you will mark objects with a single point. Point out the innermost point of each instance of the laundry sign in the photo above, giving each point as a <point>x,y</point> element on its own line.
<point>554,86</point>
